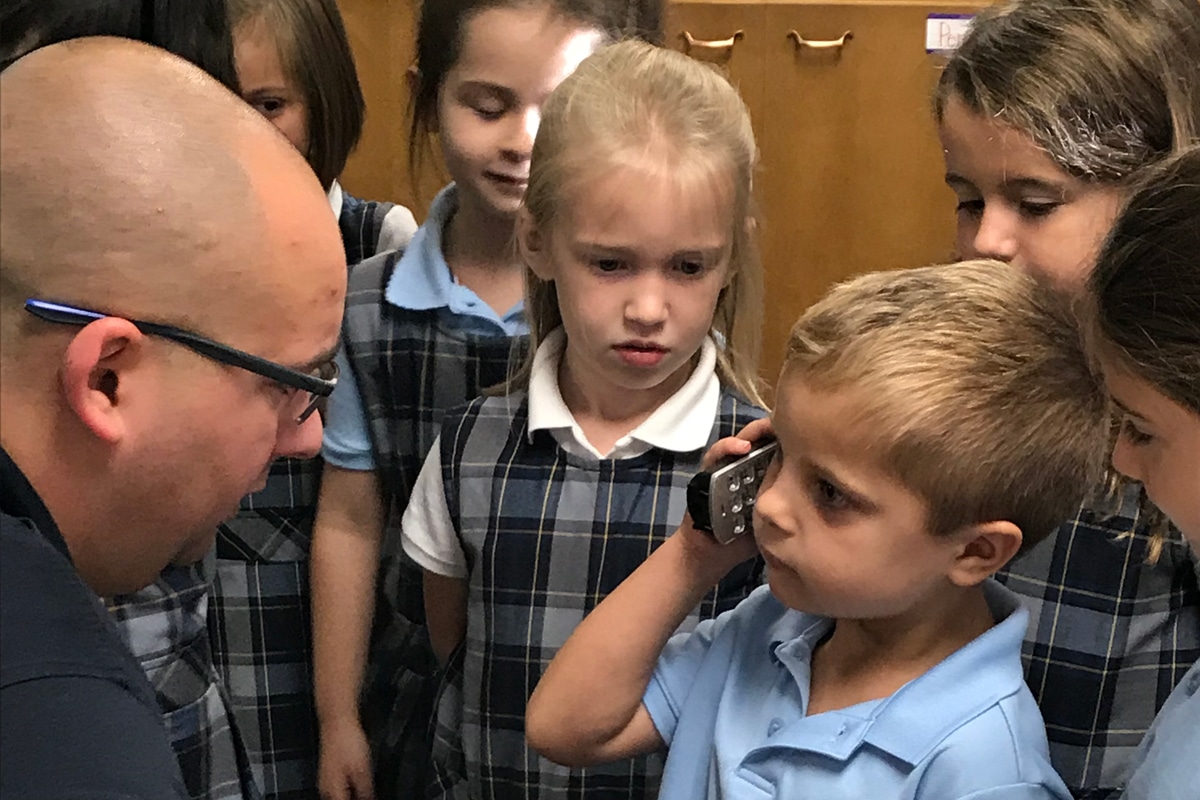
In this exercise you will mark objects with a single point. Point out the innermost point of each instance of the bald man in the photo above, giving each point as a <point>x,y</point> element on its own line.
<point>171,290</point>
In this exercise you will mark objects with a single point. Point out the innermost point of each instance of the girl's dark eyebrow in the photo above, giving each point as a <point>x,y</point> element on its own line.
<point>487,86</point>
<point>1127,409</point>
<point>1019,182</point>
<point>1035,184</point>
<point>595,248</point>
<point>954,179</point>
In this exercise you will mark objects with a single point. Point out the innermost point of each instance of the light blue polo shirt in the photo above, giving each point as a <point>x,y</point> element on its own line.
<point>729,699</point>
<point>421,281</point>
<point>1167,766</point>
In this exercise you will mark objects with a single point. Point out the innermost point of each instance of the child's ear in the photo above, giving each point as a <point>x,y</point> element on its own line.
<point>984,549</point>
<point>533,245</point>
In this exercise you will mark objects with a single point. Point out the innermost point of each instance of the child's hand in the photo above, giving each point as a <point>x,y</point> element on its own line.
<point>344,771</point>
<point>738,445</point>
<point>710,556</point>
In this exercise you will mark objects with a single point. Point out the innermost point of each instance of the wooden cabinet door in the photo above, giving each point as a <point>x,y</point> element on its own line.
<point>853,174</point>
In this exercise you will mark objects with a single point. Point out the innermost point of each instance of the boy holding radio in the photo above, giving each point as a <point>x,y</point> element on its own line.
<point>931,423</point>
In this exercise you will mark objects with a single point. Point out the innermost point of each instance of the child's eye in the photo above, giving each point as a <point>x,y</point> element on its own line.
<point>488,111</point>
<point>829,497</point>
<point>606,264</point>
<point>1134,434</point>
<point>972,208</point>
<point>269,107</point>
<point>690,267</point>
<point>1039,208</point>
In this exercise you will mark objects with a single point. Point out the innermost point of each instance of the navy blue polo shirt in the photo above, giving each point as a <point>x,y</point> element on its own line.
<point>78,719</point>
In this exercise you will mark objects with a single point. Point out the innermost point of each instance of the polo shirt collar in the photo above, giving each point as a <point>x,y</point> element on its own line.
<point>19,499</point>
<point>682,424</point>
<point>910,723</point>
<point>335,196</point>
<point>422,280</point>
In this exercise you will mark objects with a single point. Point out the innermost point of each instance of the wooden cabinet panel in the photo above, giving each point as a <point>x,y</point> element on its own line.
<point>854,170</point>
<point>383,36</point>
<point>851,177</point>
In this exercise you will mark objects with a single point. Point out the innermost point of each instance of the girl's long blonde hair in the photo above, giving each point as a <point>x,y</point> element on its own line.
<point>632,99</point>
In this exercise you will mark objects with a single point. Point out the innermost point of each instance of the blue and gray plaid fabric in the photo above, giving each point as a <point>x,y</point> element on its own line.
<point>261,628</point>
<point>166,628</point>
<point>361,223</point>
<point>1110,637</point>
<point>410,366</point>
<point>547,536</point>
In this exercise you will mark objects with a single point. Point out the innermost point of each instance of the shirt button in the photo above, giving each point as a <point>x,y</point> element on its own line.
<point>774,727</point>
<point>842,730</point>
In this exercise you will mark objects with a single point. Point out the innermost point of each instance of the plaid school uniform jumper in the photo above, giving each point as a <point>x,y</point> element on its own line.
<point>547,535</point>
<point>259,619</point>
<point>165,626</point>
<point>361,223</point>
<point>410,366</point>
<point>1110,636</point>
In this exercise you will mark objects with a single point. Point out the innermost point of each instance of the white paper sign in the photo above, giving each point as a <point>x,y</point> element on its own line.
<point>944,32</point>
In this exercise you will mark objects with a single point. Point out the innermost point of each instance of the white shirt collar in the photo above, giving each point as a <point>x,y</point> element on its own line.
<point>682,424</point>
<point>335,198</point>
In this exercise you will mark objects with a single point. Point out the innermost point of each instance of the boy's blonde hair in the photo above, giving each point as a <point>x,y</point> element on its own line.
<point>633,103</point>
<point>972,385</point>
<point>1105,87</point>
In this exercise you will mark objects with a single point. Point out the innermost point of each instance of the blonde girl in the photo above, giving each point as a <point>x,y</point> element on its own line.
<point>643,292</point>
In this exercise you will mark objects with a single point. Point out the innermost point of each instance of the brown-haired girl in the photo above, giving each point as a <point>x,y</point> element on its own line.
<point>1145,303</point>
<point>295,66</point>
<point>1049,112</point>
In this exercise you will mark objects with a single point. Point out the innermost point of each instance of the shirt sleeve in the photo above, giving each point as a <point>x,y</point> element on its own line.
<point>397,230</point>
<point>347,442</point>
<point>77,736</point>
<point>678,665</point>
<point>426,531</point>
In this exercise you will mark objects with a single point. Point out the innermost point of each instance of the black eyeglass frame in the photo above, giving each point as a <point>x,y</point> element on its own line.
<point>319,388</point>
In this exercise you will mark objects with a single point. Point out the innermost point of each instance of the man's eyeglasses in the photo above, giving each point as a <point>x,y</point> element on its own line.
<point>319,385</point>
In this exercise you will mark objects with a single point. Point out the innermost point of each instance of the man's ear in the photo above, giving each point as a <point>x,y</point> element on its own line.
<point>95,366</point>
<point>984,549</point>
<point>534,247</point>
